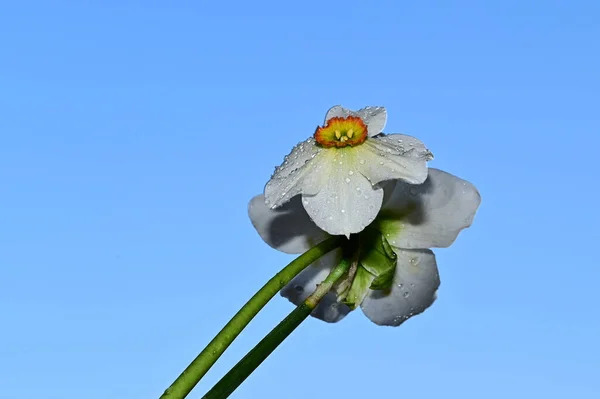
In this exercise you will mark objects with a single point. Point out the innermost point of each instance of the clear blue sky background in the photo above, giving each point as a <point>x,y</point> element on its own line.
<point>133,134</point>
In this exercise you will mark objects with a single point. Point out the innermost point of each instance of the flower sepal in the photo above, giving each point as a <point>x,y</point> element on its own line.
<point>359,288</point>
<point>373,268</point>
<point>378,258</point>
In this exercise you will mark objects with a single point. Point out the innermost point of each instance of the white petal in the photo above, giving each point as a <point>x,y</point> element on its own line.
<point>347,203</point>
<point>401,144</point>
<point>382,158</point>
<point>339,112</point>
<point>301,173</point>
<point>287,228</point>
<point>306,282</point>
<point>375,119</point>
<point>430,214</point>
<point>414,289</point>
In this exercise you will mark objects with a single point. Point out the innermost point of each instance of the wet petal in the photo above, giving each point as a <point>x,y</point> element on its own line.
<point>301,173</point>
<point>287,228</point>
<point>414,289</point>
<point>375,119</point>
<point>431,214</point>
<point>347,203</point>
<point>339,112</point>
<point>401,144</point>
<point>306,282</point>
<point>383,158</point>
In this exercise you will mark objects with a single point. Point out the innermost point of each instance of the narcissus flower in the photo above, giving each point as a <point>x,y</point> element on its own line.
<point>397,276</point>
<point>339,170</point>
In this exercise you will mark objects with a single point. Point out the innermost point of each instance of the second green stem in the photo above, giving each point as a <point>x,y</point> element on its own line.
<point>269,343</point>
<point>204,361</point>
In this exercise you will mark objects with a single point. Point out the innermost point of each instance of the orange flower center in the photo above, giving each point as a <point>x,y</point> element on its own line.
<point>341,132</point>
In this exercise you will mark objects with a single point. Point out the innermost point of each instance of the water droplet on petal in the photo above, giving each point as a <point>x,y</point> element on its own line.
<point>343,211</point>
<point>362,161</point>
<point>351,172</point>
<point>299,289</point>
<point>347,180</point>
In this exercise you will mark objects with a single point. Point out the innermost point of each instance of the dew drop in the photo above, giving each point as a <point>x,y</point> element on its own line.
<point>362,161</point>
<point>347,180</point>
<point>343,211</point>
<point>351,172</point>
<point>380,162</point>
<point>299,289</point>
<point>406,294</point>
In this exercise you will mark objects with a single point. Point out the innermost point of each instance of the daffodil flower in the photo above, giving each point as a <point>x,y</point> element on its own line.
<point>339,170</point>
<point>413,219</point>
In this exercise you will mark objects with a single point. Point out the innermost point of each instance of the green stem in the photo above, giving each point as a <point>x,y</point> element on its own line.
<point>188,379</point>
<point>268,344</point>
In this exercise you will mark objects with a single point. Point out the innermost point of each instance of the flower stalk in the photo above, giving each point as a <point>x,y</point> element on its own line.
<point>234,378</point>
<point>188,379</point>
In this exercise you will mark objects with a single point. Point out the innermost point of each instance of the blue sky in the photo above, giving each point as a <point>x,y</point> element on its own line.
<point>133,134</point>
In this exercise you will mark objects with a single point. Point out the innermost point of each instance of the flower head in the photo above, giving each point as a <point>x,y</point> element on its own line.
<point>398,276</point>
<point>339,171</point>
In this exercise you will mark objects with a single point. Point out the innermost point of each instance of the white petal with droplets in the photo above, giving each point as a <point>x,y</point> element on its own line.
<point>301,173</point>
<point>287,228</point>
<point>337,111</point>
<point>306,282</point>
<point>379,161</point>
<point>414,289</point>
<point>401,144</point>
<point>347,202</point>
<point>375,119</point>
<point>431,214</point>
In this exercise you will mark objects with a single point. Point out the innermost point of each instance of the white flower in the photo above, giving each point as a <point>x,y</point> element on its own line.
<point>413,219</point>
<point>338,171</point>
